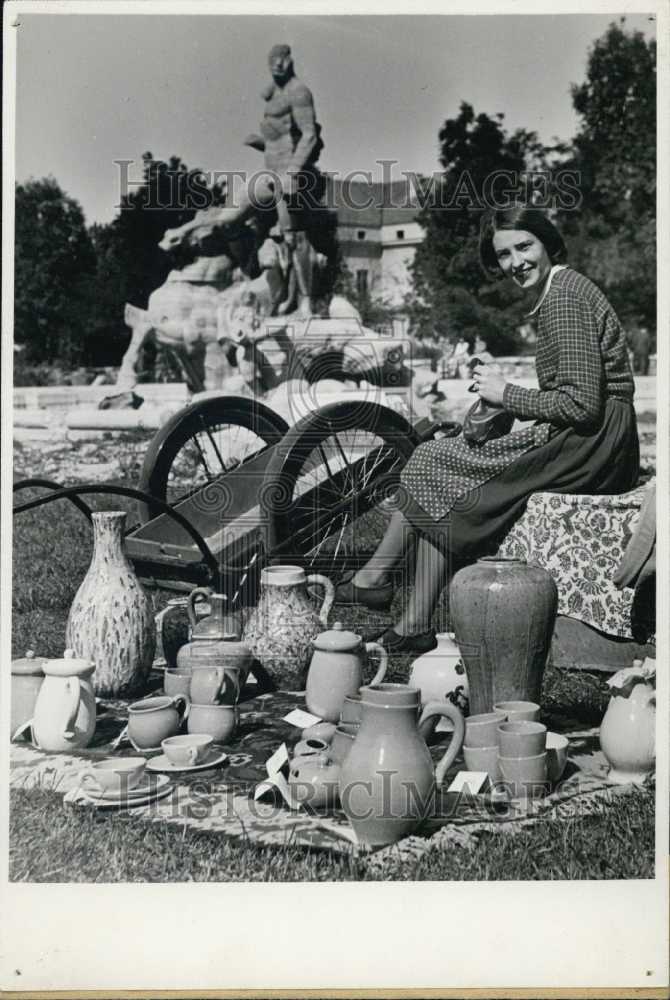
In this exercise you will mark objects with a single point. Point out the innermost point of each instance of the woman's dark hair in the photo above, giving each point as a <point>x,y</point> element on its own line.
<point>532,220</point>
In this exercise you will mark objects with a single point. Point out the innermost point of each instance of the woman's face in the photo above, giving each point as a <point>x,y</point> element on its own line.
<point>522,257</point>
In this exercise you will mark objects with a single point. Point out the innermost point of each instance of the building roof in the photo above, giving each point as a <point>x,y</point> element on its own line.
<point>358,203</point>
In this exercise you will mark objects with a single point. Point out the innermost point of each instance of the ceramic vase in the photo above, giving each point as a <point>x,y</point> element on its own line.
<point>627,734</point>
<point>503,612</point>
<point>387,779</point>
<point>440,674</point>
<point>281,628</point>
<point>111,621</point>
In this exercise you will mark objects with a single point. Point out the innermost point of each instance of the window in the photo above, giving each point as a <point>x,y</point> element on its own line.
<point>361,234</point>
<point>400,234</point>
<point>361,283</point>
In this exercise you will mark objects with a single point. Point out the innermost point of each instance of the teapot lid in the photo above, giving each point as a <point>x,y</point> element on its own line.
<point>337,639</point>
<point>69,666</point>
<point>28,664</point>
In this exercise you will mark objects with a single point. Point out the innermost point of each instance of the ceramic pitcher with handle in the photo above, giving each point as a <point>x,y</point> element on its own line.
<point>65,708</point>
<point>387,779</point>
<point>336,670</point>
<point>280,630</point>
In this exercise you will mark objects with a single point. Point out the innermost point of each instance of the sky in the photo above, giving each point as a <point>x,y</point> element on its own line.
<point>94,89</point>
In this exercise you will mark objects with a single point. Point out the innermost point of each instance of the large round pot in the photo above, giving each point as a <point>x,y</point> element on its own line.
<point>503,614</point>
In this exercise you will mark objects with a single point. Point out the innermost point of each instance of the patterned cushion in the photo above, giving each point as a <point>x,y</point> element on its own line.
<point>580,540</point>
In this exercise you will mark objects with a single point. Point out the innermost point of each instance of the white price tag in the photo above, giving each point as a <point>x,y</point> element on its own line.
<point>301,719</point>
<point>445,725</point>
<point>276,762</point>
<point>470,781</point>
<point>278,782</point>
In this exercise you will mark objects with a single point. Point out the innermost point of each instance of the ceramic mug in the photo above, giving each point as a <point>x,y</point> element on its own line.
<point>352,709</point>
<point>482,730</point>
<point>188,750</point>
<point>526,777</point>
<point>518,711</point>
<point>217,721</point>
<point>177,682</point>
<point>483,759</point>
<point>152,720</point>
<point>117,774</point>
<point>522,739</point>
<point>557,756</point>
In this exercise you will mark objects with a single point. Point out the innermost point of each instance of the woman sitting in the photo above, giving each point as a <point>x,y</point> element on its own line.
<point>457,499</point>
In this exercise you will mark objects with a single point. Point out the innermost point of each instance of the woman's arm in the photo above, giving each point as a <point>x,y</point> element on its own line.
<point>578,397</point>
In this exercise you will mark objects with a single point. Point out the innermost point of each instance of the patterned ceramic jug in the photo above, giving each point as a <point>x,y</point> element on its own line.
<point>280,630</point>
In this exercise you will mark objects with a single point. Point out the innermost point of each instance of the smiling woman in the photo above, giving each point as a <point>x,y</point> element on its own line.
<point>463,497</point>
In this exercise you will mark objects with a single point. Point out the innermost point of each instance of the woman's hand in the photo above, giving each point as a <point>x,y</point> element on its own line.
<point>490,383</point>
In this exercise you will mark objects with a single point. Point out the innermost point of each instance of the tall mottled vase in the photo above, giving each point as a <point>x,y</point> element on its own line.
<point>503,613</point>
<point>111,620</point>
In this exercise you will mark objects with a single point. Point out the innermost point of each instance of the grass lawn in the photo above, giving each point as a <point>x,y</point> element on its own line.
<point>52,842</point>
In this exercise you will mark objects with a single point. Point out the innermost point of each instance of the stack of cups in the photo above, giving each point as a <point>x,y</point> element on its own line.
<point>348,726</point>
<point>510,744</point>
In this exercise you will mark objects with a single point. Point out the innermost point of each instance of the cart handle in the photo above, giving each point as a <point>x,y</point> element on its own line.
<point>24,484</point>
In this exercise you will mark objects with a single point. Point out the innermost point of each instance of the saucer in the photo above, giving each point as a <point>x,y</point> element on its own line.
<point>163,766</point>
<point>146,786</point>
<point>154,787</point>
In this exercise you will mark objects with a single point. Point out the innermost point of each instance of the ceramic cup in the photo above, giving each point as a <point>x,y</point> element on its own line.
<point>188,750</point>
<point>320,731</point>
<point>557,756</point>
<point>308,748</point>
<point>526,777</point>
<point>482,730</point>
<point>177,682</point>
<point>518,711</point>
<point>522,739</point>
<point>483,759</point>
<point>152,720</point>
<point>352,709</point>
<point>217,721</point>
<point>117,774</point>
<point>342,741</point>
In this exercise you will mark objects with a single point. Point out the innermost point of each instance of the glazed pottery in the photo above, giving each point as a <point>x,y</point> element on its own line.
<point>111,621</point>
<point>217,721</point>
<point>218,664</point>
<point>522,739</point>
<point>342,742</point>
<point>518,711</point>
<point>152,720</point>
<point>308,748</point>
<point>64,717</point>
<point>220,621</point>
<point>314,781</point>
<point>440,675</point>
<point>351,709</point>
<point>187,750</point>
<point>627,734</point>
<point>387,780</point>
<point>525,777</point>
<point>173,630</point>
<point>503,613</point>
<point>482,730</point>
<point>117,774</point>
<point>320,731</point>
<point>336,670</point>
<point>557,756</point>
<point>177,682</point>
<point>280,630</point>
<point>27,677</point>
<point>483,759</point>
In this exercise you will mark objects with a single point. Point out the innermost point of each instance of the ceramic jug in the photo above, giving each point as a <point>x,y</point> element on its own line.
<point>111,621</point>
<point>440,675</point>
<point>27,677</point>
<point>64,716</point>
<point>173,630</point>
<point>387,780</point>
<point>280,630</point>
<point>503,612</point>
<point>220,621</point>
<point>336,670</point>
<point>218,668</point>
<point>627,732</point>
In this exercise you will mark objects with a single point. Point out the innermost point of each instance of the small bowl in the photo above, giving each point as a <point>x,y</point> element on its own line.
<point>483,759</point>
<point>522,739</point>
<point>526,777</point>
<point>482,730</point>
<point>518,711</point>
<point>188,750</point>
<point>557,756</point>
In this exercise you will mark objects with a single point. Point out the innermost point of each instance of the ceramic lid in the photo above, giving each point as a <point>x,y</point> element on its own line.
<point>69,666</point>
<point>28,664</point>
<point>283,576</point>
<point>337,639</point>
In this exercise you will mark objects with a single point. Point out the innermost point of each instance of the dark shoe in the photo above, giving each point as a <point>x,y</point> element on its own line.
<point>375,598</point>
<point>419,642</point>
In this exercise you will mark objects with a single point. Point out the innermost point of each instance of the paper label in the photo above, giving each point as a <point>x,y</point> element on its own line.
<point>276,762</point>
<point>469,781</point>
<point>278,782</point>
<point>301,719</point>
<point>445,725</point>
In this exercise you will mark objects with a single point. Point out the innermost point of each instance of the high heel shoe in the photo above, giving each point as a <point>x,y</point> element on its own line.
<point>375,598</point>
<point>419,642</point>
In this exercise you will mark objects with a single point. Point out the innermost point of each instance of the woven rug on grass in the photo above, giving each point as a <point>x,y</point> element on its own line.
<point>222,798</point>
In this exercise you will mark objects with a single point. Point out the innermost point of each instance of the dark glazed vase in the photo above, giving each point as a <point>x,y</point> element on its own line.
<point>503,614</point>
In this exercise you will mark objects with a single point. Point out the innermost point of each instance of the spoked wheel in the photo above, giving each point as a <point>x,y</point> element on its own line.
<point>322,490</point>
<point>203,442</point>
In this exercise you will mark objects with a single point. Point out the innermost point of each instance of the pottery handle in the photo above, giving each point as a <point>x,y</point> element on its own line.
<point>187,705</point>
<point>73,687</point>
<point>329,595</point>
<point>383,661</point>
<point>450,711</point>
<point>203,592</point>
<point>230,680</point>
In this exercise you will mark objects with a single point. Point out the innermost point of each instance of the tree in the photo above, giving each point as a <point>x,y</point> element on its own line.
<point>54,260</point>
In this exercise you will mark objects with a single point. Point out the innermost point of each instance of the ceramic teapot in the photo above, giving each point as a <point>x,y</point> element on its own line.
<point>64,716</point>
<point>219,622</point>
<point>27,677</point>
<point>336,670</point>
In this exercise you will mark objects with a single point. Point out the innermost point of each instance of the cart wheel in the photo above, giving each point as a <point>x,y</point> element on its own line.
<point>322,490</point>
<point>202,442</point>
